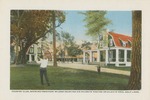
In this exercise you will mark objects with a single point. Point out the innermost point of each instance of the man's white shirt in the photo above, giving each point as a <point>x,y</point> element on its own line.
<point>43,62</point>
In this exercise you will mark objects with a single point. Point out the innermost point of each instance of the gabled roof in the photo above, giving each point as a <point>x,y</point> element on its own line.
<point>120,37</point>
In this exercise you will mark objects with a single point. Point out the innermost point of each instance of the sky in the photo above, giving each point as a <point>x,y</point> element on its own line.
<point>74,24</point>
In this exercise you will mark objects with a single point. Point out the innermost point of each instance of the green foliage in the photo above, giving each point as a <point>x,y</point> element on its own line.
<point>29,23</point>
<point>33,24</point>
<point>67,38</point>
<point>74,50</point>
<point>86,45</point>
<point>95,22</point>
<point>60,17</point>
<point>68,44</point>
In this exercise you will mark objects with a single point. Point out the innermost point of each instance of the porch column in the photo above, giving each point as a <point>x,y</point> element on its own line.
<point>91,56</point>
<point>98,56</point>
<point>125,56</point>
<point>83,57</point>
<point>35,57</point>
<point>117,57</point>
<point>106,61</point>
<point>30,58</point>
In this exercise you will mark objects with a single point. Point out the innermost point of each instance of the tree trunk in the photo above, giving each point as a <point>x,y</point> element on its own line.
<point>17,51</point>
<point>22,56</point>
<point>54,41</point>
<point>135,77</point>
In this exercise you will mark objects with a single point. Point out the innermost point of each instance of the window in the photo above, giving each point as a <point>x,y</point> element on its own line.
<point>110,42</point>
<point>102,56</point>
<point>129,43</point>
<point>128,56</point>
<point>31,49</point>
<point>39,50</point>
<point>121,55</point>
<point>123,43</point>
<point>111,55</point>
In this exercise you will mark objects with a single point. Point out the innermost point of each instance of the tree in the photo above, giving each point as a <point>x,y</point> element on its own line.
<point>68,45</point>
<point>67,41</point>
<point>86,45</point>
<point>28,26</point>
<point>54,39</point>
<point>95,22</point>
<point>58,16</point>
<point>135,77</point>
<point>74,50</point>
<point>67,38</point>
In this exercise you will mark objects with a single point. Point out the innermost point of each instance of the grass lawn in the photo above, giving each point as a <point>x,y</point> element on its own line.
<point>27,78</point>
<point>119,68</point>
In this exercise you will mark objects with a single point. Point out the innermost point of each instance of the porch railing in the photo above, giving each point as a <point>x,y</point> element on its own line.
<point>121,59</point>
<point>112,59</point>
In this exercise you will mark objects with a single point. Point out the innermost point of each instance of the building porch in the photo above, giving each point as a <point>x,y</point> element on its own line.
<point>108,56</point>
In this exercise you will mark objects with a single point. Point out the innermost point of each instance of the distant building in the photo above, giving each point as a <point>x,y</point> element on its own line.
<point>38,50</point>
<point>113,49</point>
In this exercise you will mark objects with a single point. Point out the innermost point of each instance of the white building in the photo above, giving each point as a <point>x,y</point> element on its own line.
<point>113,49</point>
<point>39,49</point>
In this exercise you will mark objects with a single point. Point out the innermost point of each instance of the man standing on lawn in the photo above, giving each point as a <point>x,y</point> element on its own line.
<point>43,71</point>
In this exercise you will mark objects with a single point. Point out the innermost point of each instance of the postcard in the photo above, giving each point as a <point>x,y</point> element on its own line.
<point>74,50</point>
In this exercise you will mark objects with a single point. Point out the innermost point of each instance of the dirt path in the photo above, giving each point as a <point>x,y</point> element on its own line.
<point>92,68</point>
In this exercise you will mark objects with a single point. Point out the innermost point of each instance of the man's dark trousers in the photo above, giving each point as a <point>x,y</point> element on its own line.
<point>43,72</point>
